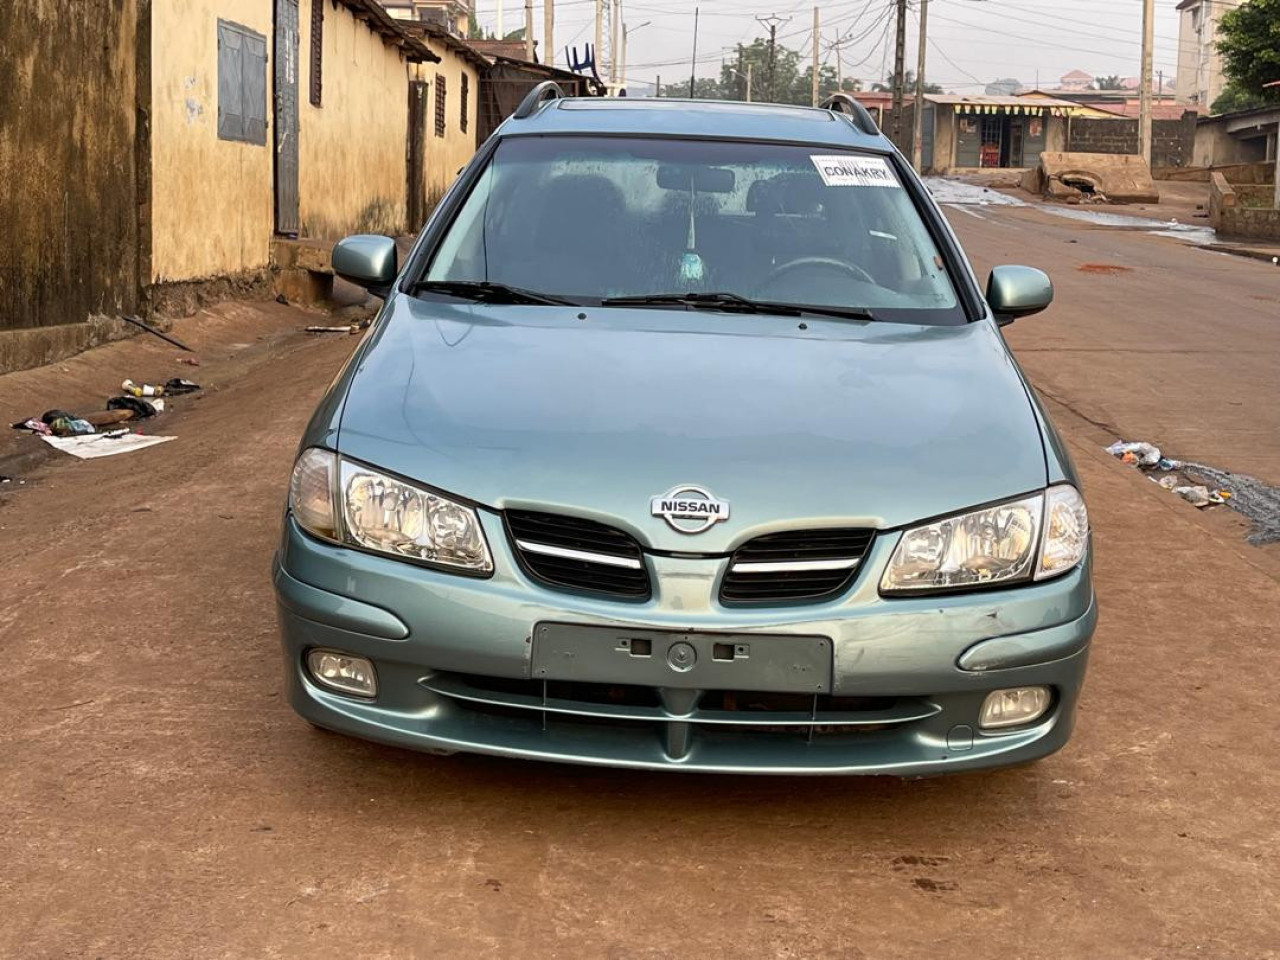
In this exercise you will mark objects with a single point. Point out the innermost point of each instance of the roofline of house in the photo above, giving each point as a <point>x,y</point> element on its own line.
<point>378,20</point>
<point>550,72</point>
<point>1267,108</point>
<point>433,31</point>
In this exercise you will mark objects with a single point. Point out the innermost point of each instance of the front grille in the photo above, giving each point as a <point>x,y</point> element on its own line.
<point>796,718</point>
<point>796,565</point>
<point>577,554</point>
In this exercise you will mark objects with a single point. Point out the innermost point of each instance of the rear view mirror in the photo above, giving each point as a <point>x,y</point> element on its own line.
<point>705,179</point>
<point>1014,292</point>
<point>367,259</point>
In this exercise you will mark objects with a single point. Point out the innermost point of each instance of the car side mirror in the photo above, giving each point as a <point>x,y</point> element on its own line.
<point>367,259</point>
<point>1014,292</point>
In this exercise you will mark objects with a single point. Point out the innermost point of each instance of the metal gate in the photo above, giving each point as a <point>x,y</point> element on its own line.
<point>285,52</point>
<point>415,155</point>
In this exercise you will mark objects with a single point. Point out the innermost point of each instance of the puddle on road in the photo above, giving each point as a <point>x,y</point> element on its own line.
<point>959,194</point>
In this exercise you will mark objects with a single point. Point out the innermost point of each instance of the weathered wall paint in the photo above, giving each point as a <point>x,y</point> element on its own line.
<point>448,154</point>
<point>211,199</point>
<point>352,176</point>
<point>68,183</point>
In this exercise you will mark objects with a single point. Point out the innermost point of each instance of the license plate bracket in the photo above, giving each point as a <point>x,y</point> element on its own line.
<point>700,660</point>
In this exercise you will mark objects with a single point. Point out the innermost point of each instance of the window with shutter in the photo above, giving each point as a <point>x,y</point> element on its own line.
<point>317,44</point>
<point>242,84</point>
<point>441,104</point>
<point>466,91</point>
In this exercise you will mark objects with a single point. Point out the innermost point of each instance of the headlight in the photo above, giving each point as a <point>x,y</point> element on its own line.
<point>994,545</point>
<point>311,492</point>
<point>1066,532</point>
<point>384,514</point>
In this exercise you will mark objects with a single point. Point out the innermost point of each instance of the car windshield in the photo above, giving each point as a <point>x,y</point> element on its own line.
<point>589,220</point>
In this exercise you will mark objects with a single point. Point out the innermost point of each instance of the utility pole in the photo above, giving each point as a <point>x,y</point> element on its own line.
<point>693,59</point>
<point>749,66</point>
<point>614,45</point>
<point>500,33</point>
<point>917,110</point>
<point>899,65</point>
<point>659,85</point>
<point>626,33</point>
<point>549,31</point>
<point>599,34</point>
<point>528,30</point>
<point>1148,43</point>
<point>817,40</point>
<point>772,21</point>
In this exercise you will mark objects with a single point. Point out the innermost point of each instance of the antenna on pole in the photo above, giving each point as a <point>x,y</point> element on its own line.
<point>773,21</point>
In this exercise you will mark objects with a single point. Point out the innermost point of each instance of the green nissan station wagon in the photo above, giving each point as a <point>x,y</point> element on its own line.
<point>686,439</point>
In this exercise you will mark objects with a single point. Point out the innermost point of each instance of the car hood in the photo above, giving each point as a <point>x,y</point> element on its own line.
<point>596,411</point>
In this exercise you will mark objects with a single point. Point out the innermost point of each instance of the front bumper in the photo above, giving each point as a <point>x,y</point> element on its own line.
<point>455,655</point>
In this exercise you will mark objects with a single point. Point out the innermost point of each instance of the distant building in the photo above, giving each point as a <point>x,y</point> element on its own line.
<point>1200,79</point>
<point>453,15</point>
<point>1007,87</point>
<point>1076,80</point>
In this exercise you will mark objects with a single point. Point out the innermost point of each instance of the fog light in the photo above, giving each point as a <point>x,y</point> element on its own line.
<point>343,672</point>
<point>1017,705</point>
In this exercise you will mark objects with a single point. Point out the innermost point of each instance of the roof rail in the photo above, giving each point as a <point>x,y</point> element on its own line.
<point>535,98</point>
<point>843,103</point>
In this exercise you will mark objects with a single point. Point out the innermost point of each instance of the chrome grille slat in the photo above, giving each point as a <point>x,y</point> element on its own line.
<point>899,711</point>
<point>798,565</point>
<point>573,553</point>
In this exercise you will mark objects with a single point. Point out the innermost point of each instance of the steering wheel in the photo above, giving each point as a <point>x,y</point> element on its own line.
<point>850,268</point>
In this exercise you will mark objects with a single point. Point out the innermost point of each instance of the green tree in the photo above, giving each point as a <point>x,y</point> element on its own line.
<point>1249,42</point>
<point>791,84</point>
<point>1235,98</point>
<point>1113,82</point>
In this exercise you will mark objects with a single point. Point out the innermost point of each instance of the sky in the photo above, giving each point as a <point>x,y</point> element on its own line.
<point>972,41</point>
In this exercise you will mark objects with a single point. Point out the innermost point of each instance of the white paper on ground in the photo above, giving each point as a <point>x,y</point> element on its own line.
<point>97,445</point>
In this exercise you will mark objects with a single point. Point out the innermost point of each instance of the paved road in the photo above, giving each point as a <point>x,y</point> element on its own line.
<point>1152,337</point>
<point>160,800</point>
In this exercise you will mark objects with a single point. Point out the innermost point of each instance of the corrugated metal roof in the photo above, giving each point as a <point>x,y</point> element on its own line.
<point>955,99</point>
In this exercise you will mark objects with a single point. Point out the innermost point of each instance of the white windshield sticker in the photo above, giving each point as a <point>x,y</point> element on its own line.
<point>842,170</point>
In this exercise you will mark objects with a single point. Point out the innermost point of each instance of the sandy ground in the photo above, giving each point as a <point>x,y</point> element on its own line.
<point>160,800</point>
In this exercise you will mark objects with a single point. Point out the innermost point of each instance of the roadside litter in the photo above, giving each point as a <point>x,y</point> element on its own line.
<point>1203,486</point>
<point>104,444</point>
<point>350,328</point>
<point>172,387</point>
<point>156,333</point>
<point>78,434</point>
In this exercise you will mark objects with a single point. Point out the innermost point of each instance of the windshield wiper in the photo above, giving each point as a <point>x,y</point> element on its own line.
<point>733,301</point>
<point>485,291</point>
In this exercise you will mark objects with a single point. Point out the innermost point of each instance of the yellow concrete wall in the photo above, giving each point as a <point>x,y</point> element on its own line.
<point>211,199</point>
<point>447,154</point>
<point>352,176</point>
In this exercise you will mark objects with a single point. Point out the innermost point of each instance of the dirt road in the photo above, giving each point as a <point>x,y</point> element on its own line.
<point>160,800</point>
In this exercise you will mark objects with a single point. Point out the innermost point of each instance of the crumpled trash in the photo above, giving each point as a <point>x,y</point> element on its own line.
<point>63,424</point>
<point>1143,454</point>
<point>35,426</point>
<point>1165,465</point>
<point>1168,482</point>
<point>176,386</point>
<point>1196,496</point>
<point>172,387</point>
<point>142,409</point>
